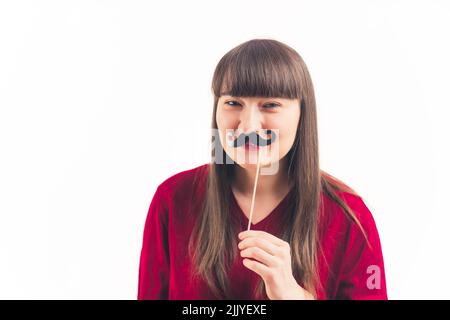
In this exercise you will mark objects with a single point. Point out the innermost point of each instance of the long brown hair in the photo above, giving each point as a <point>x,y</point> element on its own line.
<point>266,68</point>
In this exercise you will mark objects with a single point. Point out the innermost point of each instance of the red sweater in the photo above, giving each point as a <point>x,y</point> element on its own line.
<point>348,268</point>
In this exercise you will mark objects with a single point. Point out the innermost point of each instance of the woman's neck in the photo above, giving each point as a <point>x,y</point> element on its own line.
<point>271,184</point>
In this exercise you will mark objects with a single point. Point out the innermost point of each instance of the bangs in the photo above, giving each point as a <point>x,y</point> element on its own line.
<point>259,68</point>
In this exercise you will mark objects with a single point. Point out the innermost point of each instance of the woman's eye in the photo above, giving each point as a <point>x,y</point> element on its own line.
<point>232,103</point>
<point>271,105</point>
<point>266,106</point>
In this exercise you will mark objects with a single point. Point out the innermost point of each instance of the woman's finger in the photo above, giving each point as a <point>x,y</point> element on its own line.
<point>264,235</point>
<point>264,271</point>
<point>259,242</point>
<point>261,256</point>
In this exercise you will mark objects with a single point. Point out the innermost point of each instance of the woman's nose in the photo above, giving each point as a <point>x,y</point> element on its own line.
<point>250,119</point>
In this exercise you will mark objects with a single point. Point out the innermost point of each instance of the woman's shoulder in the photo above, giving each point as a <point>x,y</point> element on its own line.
<point>334,213</point>
<point>185,181</point>
<point>359,206</point>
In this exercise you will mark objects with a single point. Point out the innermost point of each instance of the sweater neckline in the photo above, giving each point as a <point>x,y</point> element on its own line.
<point>276,211</point>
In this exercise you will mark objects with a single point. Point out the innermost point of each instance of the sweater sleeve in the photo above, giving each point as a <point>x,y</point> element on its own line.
<point>362,276</point>
<point>154,259</point>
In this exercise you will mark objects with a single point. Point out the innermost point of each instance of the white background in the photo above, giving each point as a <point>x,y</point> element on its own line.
<point>89,88</point>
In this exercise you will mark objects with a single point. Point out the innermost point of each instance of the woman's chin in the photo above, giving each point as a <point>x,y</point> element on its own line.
<point>253,164</point>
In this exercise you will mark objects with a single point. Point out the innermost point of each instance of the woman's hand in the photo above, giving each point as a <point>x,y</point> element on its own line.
<point>270,257</point>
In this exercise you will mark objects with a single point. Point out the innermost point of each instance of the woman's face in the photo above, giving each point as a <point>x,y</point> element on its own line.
<point>252,114</point>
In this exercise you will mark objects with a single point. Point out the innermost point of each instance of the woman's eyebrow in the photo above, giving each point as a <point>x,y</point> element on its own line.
<point>245,97</point>
<point>227,95</point>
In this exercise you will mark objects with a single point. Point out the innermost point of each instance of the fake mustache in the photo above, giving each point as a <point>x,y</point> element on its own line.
<point>252,138</point>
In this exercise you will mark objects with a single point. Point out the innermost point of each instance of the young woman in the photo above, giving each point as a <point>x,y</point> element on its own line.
<point>311,236</point>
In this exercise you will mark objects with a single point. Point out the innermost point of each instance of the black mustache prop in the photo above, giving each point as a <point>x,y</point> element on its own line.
<point>254,139</point>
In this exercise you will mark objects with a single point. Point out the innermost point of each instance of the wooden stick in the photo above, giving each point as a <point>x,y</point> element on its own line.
<point>254,188</point>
